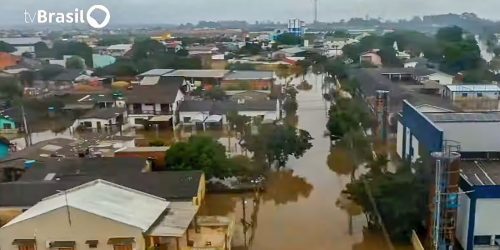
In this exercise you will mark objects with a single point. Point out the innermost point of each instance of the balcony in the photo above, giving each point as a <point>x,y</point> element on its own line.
<point>149,112</point>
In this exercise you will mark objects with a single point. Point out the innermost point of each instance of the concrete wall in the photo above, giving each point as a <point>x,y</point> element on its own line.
<point>95,121</point>
<point>473,136</point>
<point>462,218</point>
<point>399,140</point>
<point>54,226</point>
<point>486,214</point>
<point>442,78</point>
<point>471,95</point>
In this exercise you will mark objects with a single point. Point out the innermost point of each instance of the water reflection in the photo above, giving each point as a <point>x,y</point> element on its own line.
<point>340,161</point>
<point>284,187</point>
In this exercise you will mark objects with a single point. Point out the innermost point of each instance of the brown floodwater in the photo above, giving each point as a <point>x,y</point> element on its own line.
<point>303,207</point>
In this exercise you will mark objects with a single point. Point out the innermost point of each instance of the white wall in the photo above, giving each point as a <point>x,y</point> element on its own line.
<point>473,95</point>
<point>442,78</point>
<point>487,217</point>
<point>462,218</point>
<point>473,136</point>
<point>415,145</point>
<point>399,140</point>
<point>192,115</point>
<point>54,226</point>
<point>407,144</point>
<point>131,119</point>
<point>95,121</point>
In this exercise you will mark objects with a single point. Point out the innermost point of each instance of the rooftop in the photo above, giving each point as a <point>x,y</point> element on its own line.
<point>156,72</point>
<point>105,113</point>
<point>124,47</point>
<point>473,87</point>
<point>223,107</point>
<point>21,40</point>
<point>104,199</point>
<point>481,173</point>
<point>464,117</point>
<point>143,149</point>
<point>199,73</point>
<point>165,92</point>
<point>68,75</point>
<point>250,75</point>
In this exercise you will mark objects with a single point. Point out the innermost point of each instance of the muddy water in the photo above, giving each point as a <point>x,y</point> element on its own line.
<point>303,207</point>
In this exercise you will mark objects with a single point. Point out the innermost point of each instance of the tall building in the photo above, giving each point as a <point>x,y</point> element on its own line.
<point>296,27</point>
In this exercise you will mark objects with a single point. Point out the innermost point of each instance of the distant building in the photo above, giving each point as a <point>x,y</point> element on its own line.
<point>106,119</point>
<point>22,44</point>
<point>296,27</point>
<point>118,50</point>
<point>101,61</point>
<point>238,81</point>
<point>459,92</point>
<point>371,57</point>
<point>7,125</point>
<point>8,60</point>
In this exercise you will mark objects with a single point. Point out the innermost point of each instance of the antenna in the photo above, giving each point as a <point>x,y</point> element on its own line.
<point>315,11</point>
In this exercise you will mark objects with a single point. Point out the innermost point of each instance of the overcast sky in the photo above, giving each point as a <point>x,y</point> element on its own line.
<point>182,11</point>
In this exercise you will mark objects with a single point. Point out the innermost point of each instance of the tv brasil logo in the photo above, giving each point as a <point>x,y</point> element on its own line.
<point>77,17</point>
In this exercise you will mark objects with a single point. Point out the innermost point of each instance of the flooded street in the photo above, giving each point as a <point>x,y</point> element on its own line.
<point>302,207</point>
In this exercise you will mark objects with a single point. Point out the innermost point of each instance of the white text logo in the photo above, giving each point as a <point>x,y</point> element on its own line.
<point>77,17</point>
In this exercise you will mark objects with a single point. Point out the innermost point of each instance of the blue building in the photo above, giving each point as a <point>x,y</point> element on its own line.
<point>4,147</point>
<point>296,27</point>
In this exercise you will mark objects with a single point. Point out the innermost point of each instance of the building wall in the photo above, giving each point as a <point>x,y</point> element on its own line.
<point>191,115</point>
<point>246,84</point>
<point>94,122</point>
<point>54,226</point>
<point>486,210</point>
<point>471,95</point>
<point>462,218</point>
<point>473,136</point>
<point>399,140</point>
<point>132,118</point>
<point>159,157</point>
<point>6,122</point>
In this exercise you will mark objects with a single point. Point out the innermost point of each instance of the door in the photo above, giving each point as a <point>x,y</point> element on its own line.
<point>99,126</point>
<point>122,247</point>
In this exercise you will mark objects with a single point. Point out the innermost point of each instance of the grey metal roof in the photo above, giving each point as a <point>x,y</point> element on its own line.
<point>164,92</point>
<point>199,73</point>
<point>156,72</point>
<point>464,117</point>
<point>104,199</point>
<point>481,173</point>
<point>196,106</point>
<point>105,113</point>
<point>21,40</point>
<point>250,75</point>
<point>224,107</point>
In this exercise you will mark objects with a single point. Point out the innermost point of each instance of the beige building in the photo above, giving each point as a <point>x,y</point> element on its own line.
<point>103,215</point>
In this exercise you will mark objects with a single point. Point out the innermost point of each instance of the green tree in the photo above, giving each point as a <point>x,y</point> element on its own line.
<point>5,47</point>
<point>42,50</point>
<point>289,39</point>
<point>250,49</point>
<point>290,104</point>
<point>147,48</point>
<point>276,143</point>
<point>27,77</point>
<point>303,67</point>
<point>112,40</point>
<point>336,67</point>
<point>450,34</point>
<point>239,122</point>
<point>50,70</point>
<point>216,93</point>
<point>10,89</point>
<point>64,48</point>
<point>75,62</point>
<point>182,52</point>
<point>199,153</point>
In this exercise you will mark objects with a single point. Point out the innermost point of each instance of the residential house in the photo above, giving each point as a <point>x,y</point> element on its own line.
<point>103,119</point>
<point>458,92</point>
<point>7,124</point>
<point>371,57</point>
<point>157,154</point>
<point>8,60</point>
<point>237,81</point>
<point>437,76</point>
<point>416,62</point>
<point>153,76</point>
<point>118,50</point>
<point>202,113</point>
<point>202,50</point>
<point>101,61</point>
<point>22,44</point>
<point>47,175</point>
<point>200,77</point>
<point>67,78</point>
<point>93,215</point>
<point>288,52</point>
<point>115,100</point>
<point>155,103</point>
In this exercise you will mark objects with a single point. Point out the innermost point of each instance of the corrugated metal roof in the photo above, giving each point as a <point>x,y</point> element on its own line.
<point>156,72</point>
<point>250,75</point>
<point>464,117</point>
<point>199,73</point>
<point>21,40</point>
<point>176,221</point>
<point>105,199</point>
<point>124,47</point>
<point>473,87</point>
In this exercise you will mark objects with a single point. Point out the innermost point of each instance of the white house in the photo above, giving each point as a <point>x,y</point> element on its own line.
<point>118,49</point>
<point>461,92</point>
<point>106,118</point>
<point>439,77</point>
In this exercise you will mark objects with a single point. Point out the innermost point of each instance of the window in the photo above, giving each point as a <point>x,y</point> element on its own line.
<point>24,244</point>
<point>7,126</point>
<point>464,94</point>
<point>122,243</point>
<point>122,247</point>
<point>479,94</point>
<point>482,240</point>
<point>92,243</point>
<point>187,119</point>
